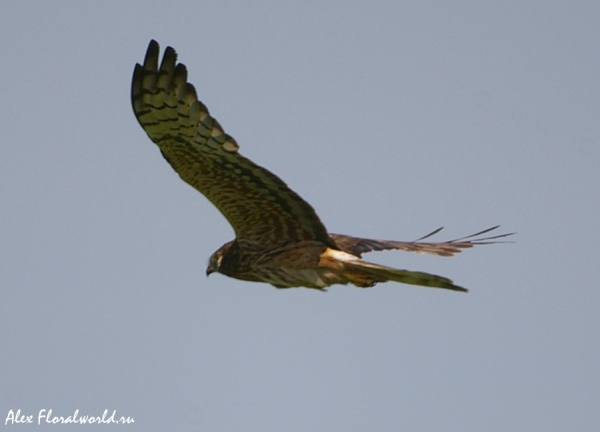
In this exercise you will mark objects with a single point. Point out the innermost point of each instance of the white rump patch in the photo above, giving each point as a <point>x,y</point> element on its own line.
<point>340,255</point>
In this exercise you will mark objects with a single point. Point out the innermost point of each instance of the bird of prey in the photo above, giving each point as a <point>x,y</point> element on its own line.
<point>280,239</point>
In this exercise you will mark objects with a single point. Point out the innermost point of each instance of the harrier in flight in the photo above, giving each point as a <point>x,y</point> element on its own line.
<point>279,238</point>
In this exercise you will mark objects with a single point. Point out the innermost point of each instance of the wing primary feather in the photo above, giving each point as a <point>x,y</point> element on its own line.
<point>430,234</point>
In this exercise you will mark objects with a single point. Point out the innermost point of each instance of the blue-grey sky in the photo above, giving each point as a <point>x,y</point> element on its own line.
<point>391,119</point>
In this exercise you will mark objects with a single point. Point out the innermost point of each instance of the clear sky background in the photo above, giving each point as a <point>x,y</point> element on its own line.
<point>391,119</point>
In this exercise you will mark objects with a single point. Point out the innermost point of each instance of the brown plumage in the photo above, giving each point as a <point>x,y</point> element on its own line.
<point>279,237</point>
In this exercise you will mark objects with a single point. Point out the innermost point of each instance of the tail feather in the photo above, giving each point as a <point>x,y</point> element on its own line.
<point>360,271</point>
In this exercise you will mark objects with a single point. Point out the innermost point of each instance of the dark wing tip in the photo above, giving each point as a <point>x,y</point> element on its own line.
<point>432,233</point>
<point>191,90</point>
<point>473,241</point>
<point>153,45</point>
<point>152,53</point>
<point>458,289</point>
<point>169,59</point>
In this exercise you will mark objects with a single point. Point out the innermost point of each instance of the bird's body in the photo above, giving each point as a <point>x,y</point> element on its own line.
<point>279,237</point>
<point>288,266</point>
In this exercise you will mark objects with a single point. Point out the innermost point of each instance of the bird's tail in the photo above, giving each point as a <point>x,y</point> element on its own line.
<point>365,274</point>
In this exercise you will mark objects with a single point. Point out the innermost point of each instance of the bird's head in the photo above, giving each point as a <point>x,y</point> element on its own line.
<point>216,259</point>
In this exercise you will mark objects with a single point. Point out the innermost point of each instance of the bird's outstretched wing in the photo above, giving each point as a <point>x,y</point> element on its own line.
<point>358,246</point>
<point>261,208</point>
